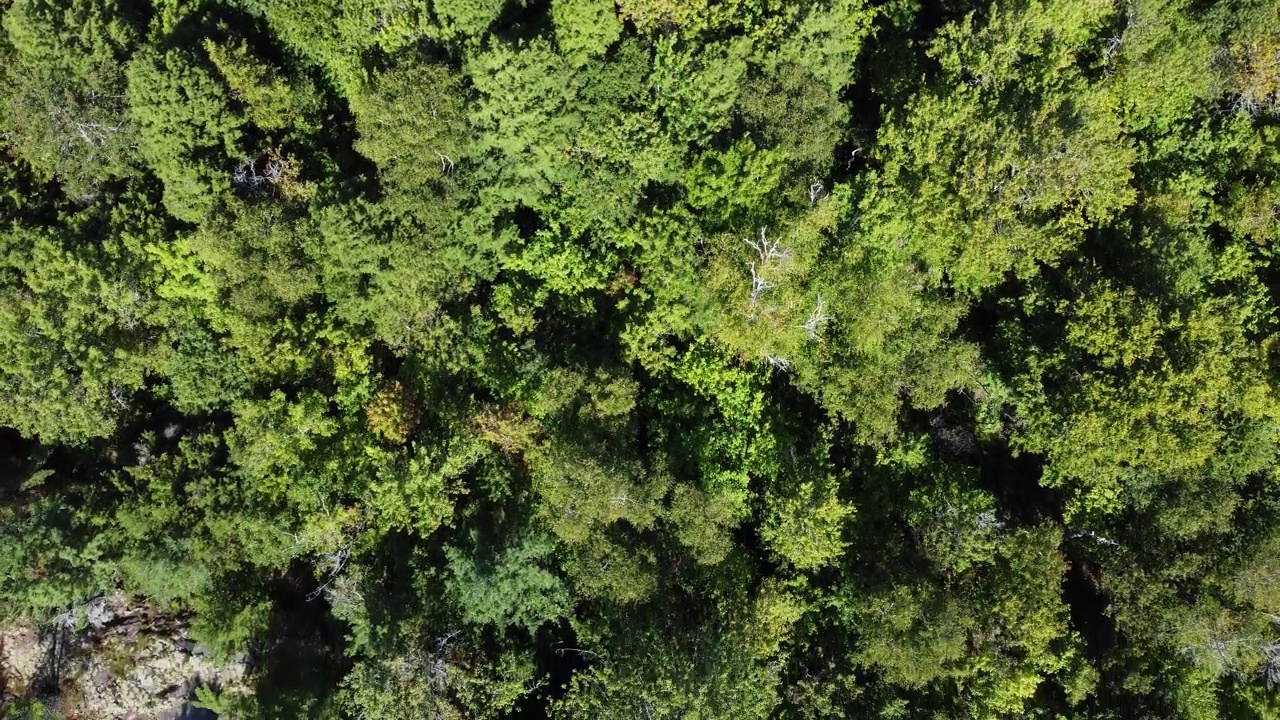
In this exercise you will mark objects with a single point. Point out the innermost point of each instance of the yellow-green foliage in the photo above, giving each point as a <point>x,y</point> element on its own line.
<point>270,101</point>
<point>805,528</point>
<point>651,359</point>
<point>393,412</point>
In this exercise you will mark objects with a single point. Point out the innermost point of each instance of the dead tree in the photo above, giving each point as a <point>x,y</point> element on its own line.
<point>768,250</point>
<point>759,286</point>
<point>817,319</point>
<point>816,191</point>
<point>446,163</point>
<point>248,179</point>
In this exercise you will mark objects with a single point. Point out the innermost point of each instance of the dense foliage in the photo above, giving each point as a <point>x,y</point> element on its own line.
<point>658,358</point>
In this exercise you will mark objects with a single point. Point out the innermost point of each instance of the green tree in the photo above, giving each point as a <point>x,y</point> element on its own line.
<point>64,108</point>
<point>1009,158</point>
<point>510,588</point>
<point>416,142</point>
<point>186,127</point>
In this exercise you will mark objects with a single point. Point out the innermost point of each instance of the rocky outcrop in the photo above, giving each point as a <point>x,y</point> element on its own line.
<point>111,659</point>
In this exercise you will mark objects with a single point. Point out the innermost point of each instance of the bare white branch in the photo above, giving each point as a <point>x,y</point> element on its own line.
<point>817,319</point>
<point>768,250</point>
<point>446,163</point>
<point>1091,535</point>
<point>816,191</point>
<point>117,395</point>
<point>272,172</point>
<point>759,286</point>
<point>247,178</point>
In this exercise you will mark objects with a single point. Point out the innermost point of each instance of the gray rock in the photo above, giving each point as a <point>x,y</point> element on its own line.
<point>121,660</point>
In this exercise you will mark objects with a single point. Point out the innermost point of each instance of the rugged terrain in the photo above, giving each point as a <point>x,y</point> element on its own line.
<point>110,658</point>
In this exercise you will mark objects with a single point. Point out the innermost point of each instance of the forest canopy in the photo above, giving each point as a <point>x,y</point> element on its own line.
<point>653,359</point>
